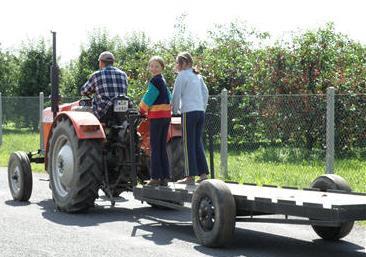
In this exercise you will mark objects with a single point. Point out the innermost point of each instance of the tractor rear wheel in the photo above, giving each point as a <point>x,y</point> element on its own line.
<point>20,176</point>
<point>176,158</point>
<point>324,183</point>
<point>75,167</point>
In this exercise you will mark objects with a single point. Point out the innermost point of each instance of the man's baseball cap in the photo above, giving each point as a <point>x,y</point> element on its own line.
<point>106,56</point>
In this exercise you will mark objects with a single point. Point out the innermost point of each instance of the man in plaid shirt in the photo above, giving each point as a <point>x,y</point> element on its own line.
<point>106,84</point>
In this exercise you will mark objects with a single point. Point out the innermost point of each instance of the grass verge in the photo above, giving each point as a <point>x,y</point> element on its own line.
<point>19,140</point>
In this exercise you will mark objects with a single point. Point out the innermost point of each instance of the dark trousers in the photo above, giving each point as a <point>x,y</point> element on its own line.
<point>195,162</point>
<point>159,157</point>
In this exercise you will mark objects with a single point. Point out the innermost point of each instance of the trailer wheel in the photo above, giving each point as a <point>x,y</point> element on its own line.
<point>20,176</point>
<point>213,213</point>
<point>324,183</point>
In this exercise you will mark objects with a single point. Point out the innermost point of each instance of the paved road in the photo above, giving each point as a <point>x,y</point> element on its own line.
<point>134,229</point>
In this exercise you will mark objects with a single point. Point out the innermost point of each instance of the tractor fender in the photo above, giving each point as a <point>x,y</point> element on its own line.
<point>86,125</point>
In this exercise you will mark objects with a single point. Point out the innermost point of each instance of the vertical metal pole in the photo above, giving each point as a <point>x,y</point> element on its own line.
<point>330,131</point>
<point>41,107</point>
<point>1,120</point>
<point>55,98</point>
<point>223,150</point>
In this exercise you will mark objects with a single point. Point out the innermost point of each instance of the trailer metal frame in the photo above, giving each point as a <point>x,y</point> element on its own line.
<point>317,212</point>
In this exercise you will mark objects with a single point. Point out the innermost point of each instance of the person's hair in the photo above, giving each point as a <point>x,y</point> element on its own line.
<point>186,58</point>
<point>158,59</point>
<point>107,62</point>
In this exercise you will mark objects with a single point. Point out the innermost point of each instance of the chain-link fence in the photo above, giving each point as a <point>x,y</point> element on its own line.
<point>249,131</point>
<point>274,130</point>
<point>350,125</point>
<point>20,118</point>
<point>264,131</point>
<point>267,129</point>
<point>20,112</point>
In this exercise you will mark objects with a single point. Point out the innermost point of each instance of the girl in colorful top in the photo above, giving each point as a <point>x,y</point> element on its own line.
<point>156,105</point>
<point>190,97</point>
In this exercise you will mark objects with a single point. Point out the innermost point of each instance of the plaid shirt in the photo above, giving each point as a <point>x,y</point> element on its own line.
<point>106,84</point>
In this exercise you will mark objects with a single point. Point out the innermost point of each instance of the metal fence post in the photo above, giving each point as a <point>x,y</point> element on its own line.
<point>223,150</point>
<point>41,107</point>
<point>1,120</point>
<point>330,131</point>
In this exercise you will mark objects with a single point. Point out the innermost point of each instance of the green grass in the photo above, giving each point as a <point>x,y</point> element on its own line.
<point>19,140</point>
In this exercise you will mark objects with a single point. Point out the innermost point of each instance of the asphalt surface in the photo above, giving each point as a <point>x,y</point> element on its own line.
<point>35,228</point>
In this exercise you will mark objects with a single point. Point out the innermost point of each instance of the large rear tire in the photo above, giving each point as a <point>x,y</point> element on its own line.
<point>20,176</point>
<point>75,167</point>
<point>213,213</point>
<point>324,183</point>
<point>176,158</point>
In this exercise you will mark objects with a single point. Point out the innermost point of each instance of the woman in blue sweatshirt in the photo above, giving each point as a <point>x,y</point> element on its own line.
<point>190,97</point>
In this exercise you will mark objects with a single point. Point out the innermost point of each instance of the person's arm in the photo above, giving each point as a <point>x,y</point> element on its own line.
<point>89,87</point>
<point>177,93</point>
<point>204,91</point>
<point>149,98</point>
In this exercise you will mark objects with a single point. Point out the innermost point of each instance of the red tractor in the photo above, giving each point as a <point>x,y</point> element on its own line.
<point>82,155</point>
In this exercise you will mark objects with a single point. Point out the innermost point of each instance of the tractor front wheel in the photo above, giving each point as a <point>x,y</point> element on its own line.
<point>75,167</point>
<point>20,176</point>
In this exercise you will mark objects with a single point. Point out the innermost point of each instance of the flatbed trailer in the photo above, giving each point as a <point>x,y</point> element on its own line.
<point>328,206</point>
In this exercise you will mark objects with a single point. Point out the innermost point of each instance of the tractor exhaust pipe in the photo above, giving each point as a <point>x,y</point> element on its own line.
<point>55,98</point>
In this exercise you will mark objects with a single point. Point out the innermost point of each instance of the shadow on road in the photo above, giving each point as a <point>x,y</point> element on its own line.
<point>258,244</point>
<point>105,214</point>
<point>17,203</point>
<point>249,243</point>
<point>165,226</point>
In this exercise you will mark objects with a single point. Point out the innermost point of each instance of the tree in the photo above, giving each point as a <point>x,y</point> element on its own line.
<point>79,71</point>
<point>228,58</point>
<point>134,54</point>
<point>34,69</point>
<point>9,73</point>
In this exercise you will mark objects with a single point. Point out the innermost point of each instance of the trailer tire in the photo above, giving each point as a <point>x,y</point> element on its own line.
<point>335,182</point>
<point>213,213</point>
<point>20,176</point>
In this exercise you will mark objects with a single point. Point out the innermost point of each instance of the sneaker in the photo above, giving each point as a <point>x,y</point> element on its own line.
<point>186,180</point>
<point>153,182</point>
<point>164,182</point>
